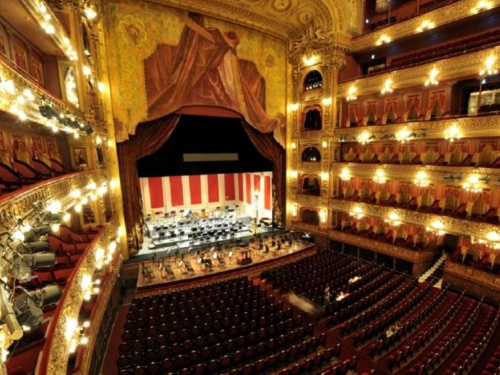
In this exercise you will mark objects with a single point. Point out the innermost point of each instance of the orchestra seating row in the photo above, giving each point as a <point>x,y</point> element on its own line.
<point>383,321</point>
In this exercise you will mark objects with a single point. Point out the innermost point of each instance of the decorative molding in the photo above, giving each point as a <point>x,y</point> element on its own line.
<point>308,200</point>
<point>453,12</point>
<point>466,65</point>
<point>56,349</point>
<point>407,172</point>
<point>474,275</point>
<point>451,225</point>
<point>21,203</point>
<point>470,127</point>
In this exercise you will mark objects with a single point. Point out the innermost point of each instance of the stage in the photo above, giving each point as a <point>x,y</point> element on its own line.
<point>166,236</point>
<point>260,252</point>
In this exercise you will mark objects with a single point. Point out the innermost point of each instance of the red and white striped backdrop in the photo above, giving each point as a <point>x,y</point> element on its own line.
<point>165,194</point>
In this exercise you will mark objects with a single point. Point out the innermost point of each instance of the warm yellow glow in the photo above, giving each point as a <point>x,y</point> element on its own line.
<point>480,6</point>
<point>452,133</point>
<point>432,81</point>
<point>357,213</point>
<point>293,107</point>
<point>472,184</point>
<point>86,70</point>
<point>101,86</point>
<point>322,216</point>
<point>90,13</point>
<point>387,89</point>
<point>112,247</point>
<point>403,135</point>
<point>384,39</point>
<point>436,227</point>
<point>327,101</point>
<point>351,93</point>
<point>71,326</point>
<point>324,175</point>
<point>425,25</point>
<point>393,219</point>
<point>324,144</point>
<point>294,173</point>
<point>365,137</point>
<point>293,145</point>
<point>66,217</point>
<point>489,68</point>
<point>345,174</point>
<point>18,235</point>
<point>75,193</point>
<point>310,60</point>
<point>379,177</point>
<point>98,140</point>
<point>55,227</point>
<point>294,210</point>
<point>421,179</point>
<point>78,208</point>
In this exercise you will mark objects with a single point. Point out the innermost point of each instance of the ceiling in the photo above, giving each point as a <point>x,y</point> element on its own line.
<point>287,19</point>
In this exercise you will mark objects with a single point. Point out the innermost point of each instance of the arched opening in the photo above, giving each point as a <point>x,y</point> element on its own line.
<point>311,185</point>
<point>312,118</point>
<point>309,216</point>
<point>311,154</point>
<point>313,80</point>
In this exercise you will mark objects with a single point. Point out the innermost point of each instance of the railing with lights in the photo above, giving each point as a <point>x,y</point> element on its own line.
<point>26,100</point>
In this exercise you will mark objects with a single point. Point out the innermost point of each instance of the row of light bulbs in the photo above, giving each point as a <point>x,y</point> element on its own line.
<point>472,183</point>
<point>387,88</point>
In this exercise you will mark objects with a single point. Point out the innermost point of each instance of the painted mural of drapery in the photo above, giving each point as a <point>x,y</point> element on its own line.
<point>203,70</point>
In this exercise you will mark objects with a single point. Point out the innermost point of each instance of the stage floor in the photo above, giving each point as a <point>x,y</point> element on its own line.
<point>155,271</point>
<point>184,246</point>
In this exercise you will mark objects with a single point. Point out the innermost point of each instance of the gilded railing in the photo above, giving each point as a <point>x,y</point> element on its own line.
<point>484,278</point>
<point>456,11</point>
<point>413,256</point>
<point>451,225</point>
<point>470,127</point>
<point>467,65</point>
<point>407,172</point>
<point>23,202</point>
<point>54,357</point>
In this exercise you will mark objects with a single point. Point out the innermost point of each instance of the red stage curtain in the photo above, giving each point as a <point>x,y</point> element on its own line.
<point>213,187</point>
<point>156,192</point>
<point>204,70</point>
<point>148,138</point>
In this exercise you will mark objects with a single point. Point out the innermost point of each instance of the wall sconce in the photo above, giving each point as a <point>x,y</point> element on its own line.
<point>326,101</point>
<point>404,135</point>
<point>379,177</point>
<point>421,179</point>
<point>481,5</point>
<point>488,67</point>
<point>436,227</point>
<point>365,137</point>
<point>294,209</point>
<point>387,89</point>
<point>384,39</point>
<point>393,219</point>
<point>293,145</point>
<point>294,173</point>
<point>310,60</point>
<point>425,25</point>
<point>351,94</point>
<point>345,174</point>
<point>452,133</point>
<point>293,107</point>
<point>472,183</point>
<point>493,239</point>
<point>357,213</point>
<point>324,176</point>
<point>324,144</point>
<point>432,81</point>
<point>322,216</point>
<point>76,333</point>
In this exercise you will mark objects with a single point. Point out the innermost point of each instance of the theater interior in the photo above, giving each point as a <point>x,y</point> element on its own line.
<point>249,187</point>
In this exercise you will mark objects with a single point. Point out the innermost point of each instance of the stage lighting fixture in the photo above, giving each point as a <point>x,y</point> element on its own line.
<point>22,265</point>
<point>28,306</point>
<point>34,247</point>
<point>34,234</point>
